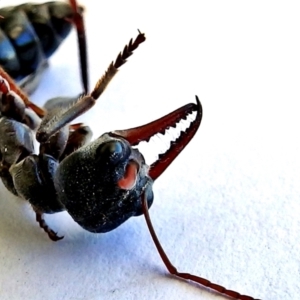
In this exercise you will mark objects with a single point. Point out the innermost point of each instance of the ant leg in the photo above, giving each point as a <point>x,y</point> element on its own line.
<point>56,144</point>
<point>52,234</point>
<point>79,24</point>
<point>72,136</point>
<point>79,136</point>
<point>66,141</point>
<point>16,146</point>
<point>186,276</point>
<point>7,85</point>
<point>49,127</point>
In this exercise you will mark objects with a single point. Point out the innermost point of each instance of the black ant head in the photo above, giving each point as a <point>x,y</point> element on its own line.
<point>102,184</point>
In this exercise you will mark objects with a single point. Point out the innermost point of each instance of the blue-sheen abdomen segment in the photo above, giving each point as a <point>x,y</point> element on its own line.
<point>23,38</point>
<point>41,19</point>
<point>8,56</point>
<point>33,33</point>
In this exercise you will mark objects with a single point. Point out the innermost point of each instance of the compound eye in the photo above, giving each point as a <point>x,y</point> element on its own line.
<point>110,152</point>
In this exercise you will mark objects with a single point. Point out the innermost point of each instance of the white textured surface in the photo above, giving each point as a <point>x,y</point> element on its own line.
<point>228,208</point>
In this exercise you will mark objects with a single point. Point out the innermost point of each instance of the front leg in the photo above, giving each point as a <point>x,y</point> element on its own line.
<point>40,219</point>
<point>33,180</point>
<point>50,126</point>
<point>16,142</point>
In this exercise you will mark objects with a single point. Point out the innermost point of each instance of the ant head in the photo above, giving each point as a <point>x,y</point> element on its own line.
<point>102,184</point>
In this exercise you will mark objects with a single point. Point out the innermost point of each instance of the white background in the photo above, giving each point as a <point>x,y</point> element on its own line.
<point>228,208</point>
